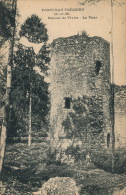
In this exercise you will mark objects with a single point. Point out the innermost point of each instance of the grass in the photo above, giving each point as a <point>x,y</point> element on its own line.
<point>27,168</point>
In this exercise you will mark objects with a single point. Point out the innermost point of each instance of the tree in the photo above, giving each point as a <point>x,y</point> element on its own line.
<point>7,32</point>
<point>34,30</point>
<point>21,83</point>
<point>29,83</point>
<point>7,22</point>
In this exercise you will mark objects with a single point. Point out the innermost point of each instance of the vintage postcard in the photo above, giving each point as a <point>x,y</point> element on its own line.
<point>62,97</point>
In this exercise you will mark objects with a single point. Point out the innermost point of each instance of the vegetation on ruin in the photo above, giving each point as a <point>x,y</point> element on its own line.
<point>86,117</point>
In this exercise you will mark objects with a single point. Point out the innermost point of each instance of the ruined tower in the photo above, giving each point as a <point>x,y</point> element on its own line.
<point>80,67</point>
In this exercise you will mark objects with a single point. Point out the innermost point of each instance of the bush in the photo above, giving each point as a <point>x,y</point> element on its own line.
<point>103,160</point>
<point>76,153</point>
<point>120,161</point>
<point>56,171</point>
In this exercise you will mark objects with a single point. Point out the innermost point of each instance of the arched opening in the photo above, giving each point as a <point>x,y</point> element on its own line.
<point>108,140</point>
<point>97,67</point>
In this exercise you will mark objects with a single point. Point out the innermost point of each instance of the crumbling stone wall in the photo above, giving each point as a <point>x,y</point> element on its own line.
<point>80,66</point>
<point>120,116</point>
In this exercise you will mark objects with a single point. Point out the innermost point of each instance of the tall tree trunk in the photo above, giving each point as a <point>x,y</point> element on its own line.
<point>7,101</point>
<point>5,118</point>
<point>30,112</point>
<point>113,127</point>
<point>112,97</point>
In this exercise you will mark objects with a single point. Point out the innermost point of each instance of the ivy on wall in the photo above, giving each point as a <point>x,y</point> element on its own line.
<point>86,117</point>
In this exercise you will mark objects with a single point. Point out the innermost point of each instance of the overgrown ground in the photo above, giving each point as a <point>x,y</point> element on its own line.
<point>27,168</point>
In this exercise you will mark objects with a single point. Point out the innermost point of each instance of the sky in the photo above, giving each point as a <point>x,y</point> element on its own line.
<point>94,18</point>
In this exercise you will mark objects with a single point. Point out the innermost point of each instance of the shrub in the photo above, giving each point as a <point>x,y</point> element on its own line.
<point>76,152</point>
<point>56,171</point>
<point>103,160</point>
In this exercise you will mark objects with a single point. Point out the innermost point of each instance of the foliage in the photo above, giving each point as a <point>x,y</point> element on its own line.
<point>26,81</point>
<point>32,164</point>
<point>103,160</point>
<point>76,152</point>
<point>43,59</point>
<point>25,57</point>
<point>27,168</point>
<point>34,30</point>
<point>21,81</point>
<point>87,116</point>
<point>7,21</point>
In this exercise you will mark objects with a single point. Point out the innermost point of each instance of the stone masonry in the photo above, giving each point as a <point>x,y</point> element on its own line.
<point>80,66</point>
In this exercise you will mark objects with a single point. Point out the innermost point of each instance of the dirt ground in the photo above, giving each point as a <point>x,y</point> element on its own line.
<point>26,169</point>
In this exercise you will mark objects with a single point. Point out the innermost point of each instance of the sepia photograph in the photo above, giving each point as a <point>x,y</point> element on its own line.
<point>62,97</point>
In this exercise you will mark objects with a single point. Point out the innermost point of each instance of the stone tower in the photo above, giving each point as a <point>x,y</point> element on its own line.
<point>80,66</point>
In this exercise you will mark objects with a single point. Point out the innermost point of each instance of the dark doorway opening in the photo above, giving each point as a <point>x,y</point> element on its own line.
<point>67,102</point>
<point>97,67</point>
